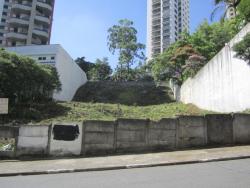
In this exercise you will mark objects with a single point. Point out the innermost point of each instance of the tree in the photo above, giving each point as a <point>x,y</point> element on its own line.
<point>101,71</point>
<point>244,10</point>
<point>209,39</point>
<point>24,80</point>
<point>242,49</point>
<point>225,5</point>
<point>86,66</point>
<point>122,39</point>
<point>175,63</point>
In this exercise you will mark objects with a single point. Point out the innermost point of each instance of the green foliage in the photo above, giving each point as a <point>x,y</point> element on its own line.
<point>86,66</point>
<point>24,80</point>
<point>186,57</point>
<point>101,70</point>
<point>122,39</point>
<point>242,49</point>
<point>244,10</point>
<point>208,40</point>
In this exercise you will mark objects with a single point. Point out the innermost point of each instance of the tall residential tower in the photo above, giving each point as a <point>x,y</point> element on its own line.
<point>25,22</point>
<point>166,19</point>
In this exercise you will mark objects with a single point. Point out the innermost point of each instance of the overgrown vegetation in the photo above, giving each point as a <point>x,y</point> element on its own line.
<point>78,111</point>
<point>22,80</point>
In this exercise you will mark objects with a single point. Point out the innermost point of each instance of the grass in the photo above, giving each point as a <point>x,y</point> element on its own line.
<point>79,111</point>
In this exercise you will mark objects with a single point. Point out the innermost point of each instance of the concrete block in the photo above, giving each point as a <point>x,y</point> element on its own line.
<point>241,127</point>
<point>219,129</point>
<point>33,131</point>
<point>191,132</point>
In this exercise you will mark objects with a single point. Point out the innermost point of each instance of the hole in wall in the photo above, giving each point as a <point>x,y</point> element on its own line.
<point>7,144</point>
<point>66,132</point>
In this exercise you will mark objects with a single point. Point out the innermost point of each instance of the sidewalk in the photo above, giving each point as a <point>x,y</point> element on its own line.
<point>14,168</point>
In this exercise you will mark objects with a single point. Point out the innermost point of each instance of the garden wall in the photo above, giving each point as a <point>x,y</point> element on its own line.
<point>130,135</point>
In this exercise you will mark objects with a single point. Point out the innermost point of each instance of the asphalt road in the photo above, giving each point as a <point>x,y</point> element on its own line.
<point>226,174</point>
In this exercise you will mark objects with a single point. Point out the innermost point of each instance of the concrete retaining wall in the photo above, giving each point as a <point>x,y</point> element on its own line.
<point>223,85</point>
<point>129,135</point>
<point>32,140</point>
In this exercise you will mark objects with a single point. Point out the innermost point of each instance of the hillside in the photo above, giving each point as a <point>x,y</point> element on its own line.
<point>127,93</point>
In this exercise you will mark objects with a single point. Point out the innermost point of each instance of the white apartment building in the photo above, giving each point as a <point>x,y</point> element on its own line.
<point>166,19</point>
<point>25,22</point>
<point>72,77</point>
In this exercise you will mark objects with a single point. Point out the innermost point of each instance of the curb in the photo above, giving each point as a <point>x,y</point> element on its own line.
<point>132,166</point>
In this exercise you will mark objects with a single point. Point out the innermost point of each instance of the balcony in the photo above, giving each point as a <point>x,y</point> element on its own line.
<point>19,21</point>
<point>43,19</point>
<point>41,32</point>
<point>26,7</point>
<point>44,5</point>
<point>17,36</point>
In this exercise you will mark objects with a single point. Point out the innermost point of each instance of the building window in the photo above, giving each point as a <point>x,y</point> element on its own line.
<point>3,20</point>
<point>4,13</point>
<point>6,6</point>
<point>52,58</point>
<point>44,58</point>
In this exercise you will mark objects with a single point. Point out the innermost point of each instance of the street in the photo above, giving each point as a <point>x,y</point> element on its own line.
<point>215,174</point>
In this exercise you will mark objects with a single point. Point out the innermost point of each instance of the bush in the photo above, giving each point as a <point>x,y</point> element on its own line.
<point>24,80</point>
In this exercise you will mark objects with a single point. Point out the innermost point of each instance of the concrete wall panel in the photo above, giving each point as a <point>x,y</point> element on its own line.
<point>191,131</point>
<point>162,134</point>
<point>241,124</point>
<point>64,147</point>
<point>98,137</point>
<point>32,140</point>
<point>131,134</point>
<point>219,129</point>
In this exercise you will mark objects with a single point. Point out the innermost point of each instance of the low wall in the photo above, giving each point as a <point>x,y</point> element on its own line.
<point>130,135</point>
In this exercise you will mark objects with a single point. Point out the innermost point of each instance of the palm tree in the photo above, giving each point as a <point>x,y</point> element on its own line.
<point>225,5</point>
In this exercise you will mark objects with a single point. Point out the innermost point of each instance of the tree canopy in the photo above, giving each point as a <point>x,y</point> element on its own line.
<point>24,80</point>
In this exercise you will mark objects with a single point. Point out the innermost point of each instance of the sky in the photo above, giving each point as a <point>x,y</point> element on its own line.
<point>81,27</point>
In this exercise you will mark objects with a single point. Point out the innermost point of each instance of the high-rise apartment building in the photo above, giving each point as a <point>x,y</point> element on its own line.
<point>25,22</point>
<point>166,19</point>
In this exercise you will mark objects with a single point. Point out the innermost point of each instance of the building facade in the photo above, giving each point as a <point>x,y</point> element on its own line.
<point>71,75</point>
<point>25,22</point>
<point>166,20</point>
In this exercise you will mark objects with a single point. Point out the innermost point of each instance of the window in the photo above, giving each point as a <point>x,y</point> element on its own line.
<point>4,13</point>
<point>40,58</point>
<point>3,20</point>
<point>44,58</point>
<point>6,6</point>
<point>52,58</point>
